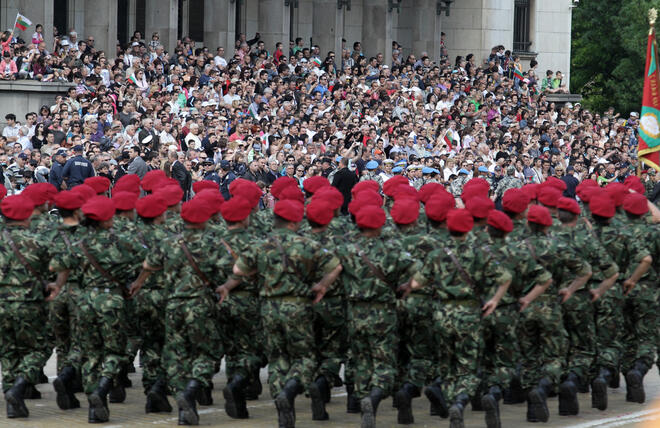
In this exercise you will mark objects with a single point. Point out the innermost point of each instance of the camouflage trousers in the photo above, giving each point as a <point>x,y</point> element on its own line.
<point>241,312</point>
<point>331,338</point>
<point>192,341</point>
<point>289,339</point>
<point>640,320</point>
<point>21,341</point>
<point>460,344</point>
<point>373,338</point>
<point>133,335</point>
<point>63,320</point>
<point>417,339</point>
<point>149,311</point>
<point>501,349</point>
<point>543,342</point>
<point>609,334</point>
<point>579,322</point>
<point>102,334</point>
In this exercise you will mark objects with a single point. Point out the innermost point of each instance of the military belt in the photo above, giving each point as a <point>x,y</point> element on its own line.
<point>292,299</point>
<point>377,305</point>
<point>463,302</point>
<point>241,293</point>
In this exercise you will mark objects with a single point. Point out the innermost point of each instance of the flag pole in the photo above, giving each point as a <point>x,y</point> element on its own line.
<point>14,27</point>
<point>653,16</point>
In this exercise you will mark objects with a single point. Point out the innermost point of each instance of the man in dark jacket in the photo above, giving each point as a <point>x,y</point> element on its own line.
<point>77,169</point>
<point>181,174</point>
<point>344,181</point>
<point>55,176</point>
<point>571,182</point>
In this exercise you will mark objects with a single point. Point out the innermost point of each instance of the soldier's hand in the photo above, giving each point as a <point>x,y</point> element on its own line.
<point>404,290</point>
<point>319,291</point>
<point>133,289</point>
<point>223,292</point>
<point>524,303</point>
<point>628,285</point>
<point>53,290</point>
<point>566,294</point>
<point>489,307</point>
<point>595,293</point>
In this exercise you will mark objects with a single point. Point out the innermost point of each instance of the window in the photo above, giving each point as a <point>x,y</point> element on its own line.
<point>521,18</point>
<point>196,20</point>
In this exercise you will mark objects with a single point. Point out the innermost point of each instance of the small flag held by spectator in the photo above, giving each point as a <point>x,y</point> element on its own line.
<point>22,22</point>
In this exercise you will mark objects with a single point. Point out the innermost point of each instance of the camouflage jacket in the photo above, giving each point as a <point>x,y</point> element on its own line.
<point>456,187</point>
<point>149,237</point>
<point>505,184</point>
<point>287,264</point>
<point>18,282</point>
<point>333,243</point>
<point>236,242</point>
<point>61,239</point>
<point>373,176</point>
<point>645,241</point>
<point>419,245</point>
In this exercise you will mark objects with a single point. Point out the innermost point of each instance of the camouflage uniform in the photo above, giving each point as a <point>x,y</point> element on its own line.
<point>373,175</point>
<point>192,340</point>
<point>456,187</point>
<point>22,309</point>
<point>458,320</point>
<point>287,266</point>
<point>506,183</point>
<point>543,338</point>
<point>372,320</point>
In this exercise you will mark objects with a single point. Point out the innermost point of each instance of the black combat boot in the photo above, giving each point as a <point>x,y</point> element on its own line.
<point>63,385</point>
<point>43,379</point>
<point>157,398</point>
<point>234,394</point>
<point>404,398</point>
<point>205,396</point>
<point>456,411</point>
<point>475,400</point>
<point>98,402</point>
<point>599,389</point>
<point>537,402</point>
<point>122,377</point>
<point>568,400</point>
<point>438,403</point>
<point>514,394</point>
<point>352,403</point>
<point>32,393</point>
<point>635,383</point>
<point>285,403</point>
<point>317,391</point>
<point>490,402</point>
<point>615,382</point>
<point>16,407</point>
<point>369,407</point>
<point>186,402</point>
<point>254,388</point>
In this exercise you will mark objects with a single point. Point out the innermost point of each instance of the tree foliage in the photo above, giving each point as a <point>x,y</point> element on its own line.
<point>608,52</point>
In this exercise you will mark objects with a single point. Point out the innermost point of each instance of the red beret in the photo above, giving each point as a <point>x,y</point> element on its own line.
<point>150,206</point>
<point>365,185</point>
<point>124,201</point>
<point>633,182</point>
<point>320,212</point>
<point>427,190</point>
<point>3,191</point>
<point>127,186</point>
<point>515,201</point>
<point>171,194</point>
<point>460,220</point>
<point>312,184</point>
<point>479,183</point>
<point>589,182</point>
<point>531,190</point>
<point>128,180</point>
<point>69,200</point>
<point>392,183</point>
<point>617,192</point>
<point>370,217</point>
<point>555,182</point>
<point>99,208</point>
<point>247,189</point>
<point>405,210</point>
<point>602,205</point>
<point>588,192</point>
<point>568,204</point>
<point>85,191</point>
<point>213,197</point>
<point>585,184</point>
<point>331,195</point>
<point>205,184</point>
<point>196,210</point>
<point>236,209</point>
<point>438,206</point>
<point>17,207</point>
<point>369,197</point>
<point>40,193</point>
<point>405,191</point>
<point>479,206</point>
<point>99,183</point>
<point>290,210</point>
<point>478,188</point>
<point>539,215</point>
<point>151,179</point>
<point>354,206</point>
<point>500,221</point>
<point>280,184</point>
<point>292,193</point>
<point>549,196</point>
<point>636,203</point>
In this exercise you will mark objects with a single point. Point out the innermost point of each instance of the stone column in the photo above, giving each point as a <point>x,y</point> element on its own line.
<point>101,22</point>
<point>39,12</point>
<point>328,27</point>
<point>377,29</point>
<point>423,28</point>
<point>162,16</point>
<point>219,24</point>
<point>274,22</point>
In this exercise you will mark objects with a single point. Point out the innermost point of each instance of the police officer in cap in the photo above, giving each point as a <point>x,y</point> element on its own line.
<point>209,171</point>
<point>77,169</point>
<point>226,177</point>
<point>56,170</point>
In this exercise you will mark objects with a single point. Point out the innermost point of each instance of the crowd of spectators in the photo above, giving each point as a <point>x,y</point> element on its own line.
<point>259,114</point>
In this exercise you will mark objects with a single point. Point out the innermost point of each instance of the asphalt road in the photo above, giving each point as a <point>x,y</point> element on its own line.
<point>44,412</point>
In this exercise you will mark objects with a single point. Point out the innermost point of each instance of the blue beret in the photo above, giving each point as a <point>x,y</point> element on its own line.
<point>397,169</point>
<point>427,170</point>
<point>463,171</point>
<point>483,169</point>
<point>372,164</point>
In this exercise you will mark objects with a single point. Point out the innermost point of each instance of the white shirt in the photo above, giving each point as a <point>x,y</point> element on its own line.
<point>10,131</point>
<point>229,99</point>
<point>193,141</point>
<point>220,61</point>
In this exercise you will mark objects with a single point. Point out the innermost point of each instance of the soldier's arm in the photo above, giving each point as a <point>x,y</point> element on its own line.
<point>535,292</point>
<point>54,288</point>
<point>501,277</point>
<point>321,287</point>
<point>604,285</point>
<point>642,267</point>
<point>490,305</point>
<point>145,273</point>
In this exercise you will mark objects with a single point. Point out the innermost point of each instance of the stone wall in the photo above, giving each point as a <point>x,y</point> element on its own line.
<point>23,96</point>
